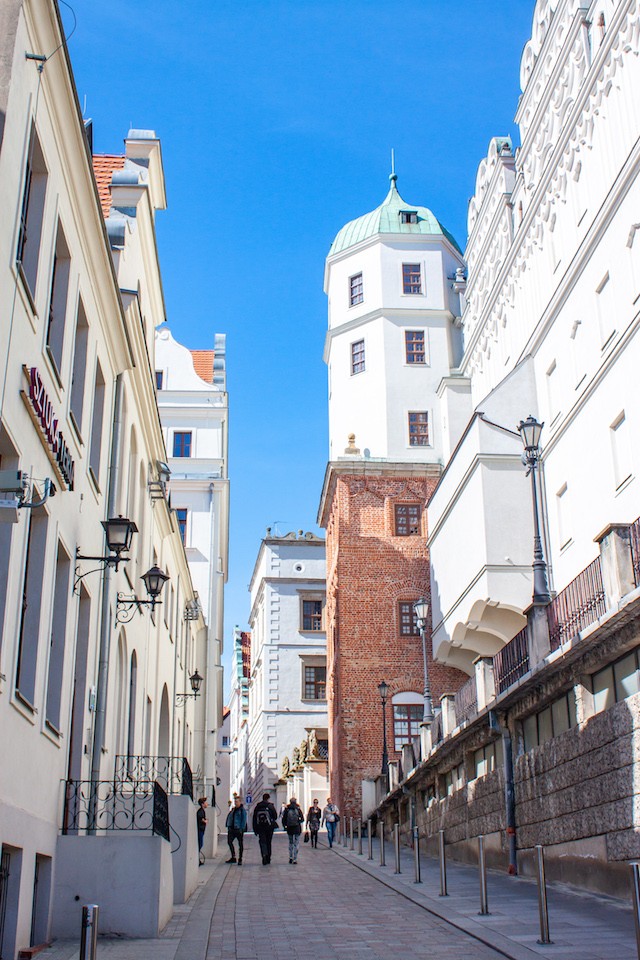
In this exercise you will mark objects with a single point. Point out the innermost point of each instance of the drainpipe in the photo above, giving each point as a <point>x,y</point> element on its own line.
<point>105,618</point>
<point>509,790</point>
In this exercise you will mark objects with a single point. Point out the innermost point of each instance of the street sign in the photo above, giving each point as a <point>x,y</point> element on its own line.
<point>249,799</point>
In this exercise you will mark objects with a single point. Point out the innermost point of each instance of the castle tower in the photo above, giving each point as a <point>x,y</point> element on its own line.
<point>393,278</point>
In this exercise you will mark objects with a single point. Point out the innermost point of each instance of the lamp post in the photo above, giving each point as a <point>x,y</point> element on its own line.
<point>383,690</point>
<point>421,610</point>
<point>530,431</point>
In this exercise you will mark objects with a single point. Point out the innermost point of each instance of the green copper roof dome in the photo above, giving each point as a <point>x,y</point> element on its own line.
<point>388,218</point>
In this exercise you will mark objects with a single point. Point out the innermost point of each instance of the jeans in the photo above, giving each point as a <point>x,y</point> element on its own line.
<point>332,826</point>
<point>313,835</point>
<point>234,834</point>
<point>294,841</point>
<point>200,839</point>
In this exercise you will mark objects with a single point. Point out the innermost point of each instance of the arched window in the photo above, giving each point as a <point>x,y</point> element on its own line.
<point>408,710</point>
<point>133,684</point>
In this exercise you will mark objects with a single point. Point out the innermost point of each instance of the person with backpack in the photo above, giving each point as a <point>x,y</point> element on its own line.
<point>292,818</point>
<point>265,819</point>
<point>236,827</point>
<point>314,817</point>
<point>331,816</point>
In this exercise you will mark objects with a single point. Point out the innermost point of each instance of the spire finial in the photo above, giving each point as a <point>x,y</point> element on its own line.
<point>393,176</point>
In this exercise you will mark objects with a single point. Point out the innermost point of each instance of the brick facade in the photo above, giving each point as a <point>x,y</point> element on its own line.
<point>369,571</point>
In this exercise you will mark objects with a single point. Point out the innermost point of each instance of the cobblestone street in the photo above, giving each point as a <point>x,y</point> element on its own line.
<point>338,905</point>
<point>323,909</point>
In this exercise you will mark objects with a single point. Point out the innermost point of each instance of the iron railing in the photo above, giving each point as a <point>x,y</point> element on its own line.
<point>466,701</point>
<point>95,806</point>
<point>579,604</point>
<point>172,773</point>
<point>512,662</point>
<point>634,531</point>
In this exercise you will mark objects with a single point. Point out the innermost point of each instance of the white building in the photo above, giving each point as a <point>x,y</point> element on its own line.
<point>394,331</point>
<point>287,688</point>
<point>193,404</point>
<point>239,718</point>
<point>549,330</point>
<point>89,669</point>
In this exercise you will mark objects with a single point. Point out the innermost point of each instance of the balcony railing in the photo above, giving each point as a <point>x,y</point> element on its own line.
<point>466,701</point>
<point>512,662</point>
<point>580,603</point>
<point>634,530</point>
<point>172,773</point>
<point>95,806</point>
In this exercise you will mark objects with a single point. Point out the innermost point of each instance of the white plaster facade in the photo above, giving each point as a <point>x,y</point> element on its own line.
<point>289,572</point>
<point>239,717</point>
<point>549,329</point>
<point>81,299</point>
<point>197,408</point>
<point>373,402</point>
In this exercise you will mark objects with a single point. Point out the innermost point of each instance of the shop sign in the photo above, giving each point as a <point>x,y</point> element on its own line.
<point>46,417</point>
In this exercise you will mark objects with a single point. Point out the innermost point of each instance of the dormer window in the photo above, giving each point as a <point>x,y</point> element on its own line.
<point>408,216</point>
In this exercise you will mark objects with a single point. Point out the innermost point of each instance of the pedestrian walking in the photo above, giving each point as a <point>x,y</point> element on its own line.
<point>314,816</point>
<point>265,820</point>
<point>331,816</point>
<point>292,818</point>
<point>236,827</point>
<point>202,821</point>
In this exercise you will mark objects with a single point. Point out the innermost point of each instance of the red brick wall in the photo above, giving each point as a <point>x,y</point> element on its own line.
<point>369,570</point>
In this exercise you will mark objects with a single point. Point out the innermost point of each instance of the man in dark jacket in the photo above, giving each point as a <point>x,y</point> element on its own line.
<point>236,826</point>
<point>265,819</point>
<point>292,818</point>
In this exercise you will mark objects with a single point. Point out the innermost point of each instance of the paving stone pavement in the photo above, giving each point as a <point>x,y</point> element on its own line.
<point>337,905</point>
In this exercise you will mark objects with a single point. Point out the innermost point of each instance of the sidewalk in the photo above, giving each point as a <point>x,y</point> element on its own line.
<point>184,938</point>
<point>581,925</point>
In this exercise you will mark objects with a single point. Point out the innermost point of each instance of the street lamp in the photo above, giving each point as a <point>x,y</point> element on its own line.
<point>421,610</point>
<point>383,690</point>
<point>196,682</point>
<point>118,532</point>
<point>530,431</point>
<point>154,580</point>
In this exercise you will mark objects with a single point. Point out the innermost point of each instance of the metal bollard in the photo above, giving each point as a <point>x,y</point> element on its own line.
<point>350,833</point>
<point>370,840</point>
<point>382,859</point>
<point>443,866</point>
<point>482,867</point>
<point>416,854</point>
<point>89,932</point>
<point>344,834</point>
<point>542,898</point>
<point>359,837</point>
<point>396,846</point>
<point>635,879</point>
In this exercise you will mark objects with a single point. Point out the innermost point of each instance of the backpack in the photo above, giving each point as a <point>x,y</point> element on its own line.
<point>263,818</point>
<point>292,817</point>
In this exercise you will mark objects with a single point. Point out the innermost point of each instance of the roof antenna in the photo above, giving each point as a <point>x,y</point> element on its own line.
<point>393,175</point>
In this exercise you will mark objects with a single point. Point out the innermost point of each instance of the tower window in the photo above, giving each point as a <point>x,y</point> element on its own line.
<point>418,428</point>
<point>357,357</point>
<point>414,346</point>
<point>407,621</point>
<point>408,216</point>
<point>411,278</point>
<point>407,519</point>
<point>159,379</point>
<point>312,616</point>
<point>356,290</point>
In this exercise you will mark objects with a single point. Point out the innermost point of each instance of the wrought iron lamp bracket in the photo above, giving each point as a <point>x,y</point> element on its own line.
<point>126,606</point>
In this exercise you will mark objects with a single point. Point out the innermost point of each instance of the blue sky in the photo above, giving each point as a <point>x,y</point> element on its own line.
<point>277,120</point>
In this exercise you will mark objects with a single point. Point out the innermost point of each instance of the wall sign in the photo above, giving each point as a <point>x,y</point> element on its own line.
<point>48,421</point>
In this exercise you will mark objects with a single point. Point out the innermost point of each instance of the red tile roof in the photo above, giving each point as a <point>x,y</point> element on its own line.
<point>203,364</point>
<point>103,167</point>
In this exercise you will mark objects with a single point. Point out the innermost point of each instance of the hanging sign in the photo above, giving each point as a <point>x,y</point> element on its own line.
<point>45,417</point>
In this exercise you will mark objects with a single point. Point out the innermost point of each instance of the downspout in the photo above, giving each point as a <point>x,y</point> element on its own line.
<point>509,790</point>
<point>105,619</point>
